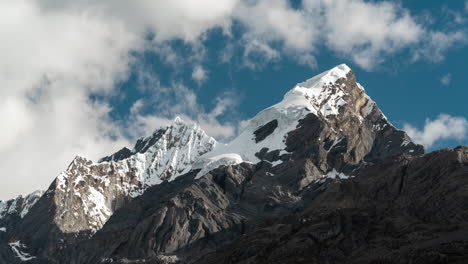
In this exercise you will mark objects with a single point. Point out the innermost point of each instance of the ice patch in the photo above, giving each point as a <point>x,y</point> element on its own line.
<point>2,229</point>
<point>333,174</point>
<point>335,142</point>
<point>215,162</point>
<point>276,163</point>
<point>18,248</point>
<point>316,93</point>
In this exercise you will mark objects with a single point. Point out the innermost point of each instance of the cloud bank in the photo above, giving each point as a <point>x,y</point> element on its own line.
<point>61,63</point>
<point>444,127</point>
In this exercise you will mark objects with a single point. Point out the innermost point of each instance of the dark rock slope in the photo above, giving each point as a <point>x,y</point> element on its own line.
<point>402,210</point>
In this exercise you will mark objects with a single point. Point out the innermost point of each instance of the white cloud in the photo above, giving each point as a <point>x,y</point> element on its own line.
<point>275,20</point>
<point>178,100</point>
<point>257,54</point>
<point>199,74</point>
<point>446,79</point>
<point>51,63</point>
<point>445,127</point>
<point>58,54</point>
<point>365,31</point>
<point>435,44</point>
<point>182,19</point>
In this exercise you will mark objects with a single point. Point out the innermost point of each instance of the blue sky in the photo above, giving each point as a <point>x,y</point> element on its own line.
<point>408,92</point>
<point>84,77</point>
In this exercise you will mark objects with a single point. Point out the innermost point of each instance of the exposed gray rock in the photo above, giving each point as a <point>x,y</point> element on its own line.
<point>265,130</point>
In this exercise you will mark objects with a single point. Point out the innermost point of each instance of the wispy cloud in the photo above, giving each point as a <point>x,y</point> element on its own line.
<point>437,43</point>
<point>366,32</point>
<point>444,127</point>
<point>199,74</point>
<point>446,79</point>
<point>57,57</point>
<point>178,100</point>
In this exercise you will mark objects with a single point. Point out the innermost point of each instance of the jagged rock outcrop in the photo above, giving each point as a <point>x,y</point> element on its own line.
<point>90,192</point>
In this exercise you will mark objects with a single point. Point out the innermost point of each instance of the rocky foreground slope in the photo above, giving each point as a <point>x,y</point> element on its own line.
<point>321,177</point>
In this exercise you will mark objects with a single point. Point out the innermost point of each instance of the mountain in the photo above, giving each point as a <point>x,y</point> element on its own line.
<point>82,198</point>
<point>320,177</point>
<point>87,193</point>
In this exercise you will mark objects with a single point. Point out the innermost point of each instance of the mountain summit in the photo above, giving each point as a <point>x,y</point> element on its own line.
<point>321,176</point>
<point>329,112</point>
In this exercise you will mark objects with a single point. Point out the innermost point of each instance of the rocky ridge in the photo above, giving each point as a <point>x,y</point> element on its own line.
<point>88,192</point>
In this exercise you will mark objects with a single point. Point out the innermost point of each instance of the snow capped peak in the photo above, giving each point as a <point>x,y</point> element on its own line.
<point>334,96</point>
<point>320,94</point>
<point>179,126</point>
<point>178,121</point>
<point>327,77</point>
<point>93,191</point>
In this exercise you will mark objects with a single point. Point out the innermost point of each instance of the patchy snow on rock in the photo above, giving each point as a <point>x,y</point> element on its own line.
<point>2,229</point>
<point>89,189</point>
<point>20,205</point>
<point>335,142</point>
<point>29,201</point>
<point>316,95</point>
<point>96,206</point>
<point>13,206</point>
<point>312,96</point>
<point>245,145</point>
<point>18,249</point>
<point>172,155</point>
<point>3,208</point>
<point>333,174</point>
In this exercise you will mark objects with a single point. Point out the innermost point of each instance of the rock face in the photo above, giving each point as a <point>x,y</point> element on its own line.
<point>320,177</point>
<point>88,193</point>
<point>402,210</point>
